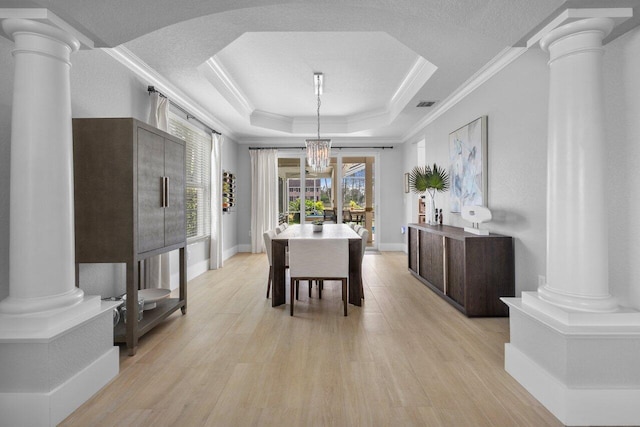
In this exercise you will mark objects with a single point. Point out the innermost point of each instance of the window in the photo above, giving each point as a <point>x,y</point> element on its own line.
<point>198,176</point>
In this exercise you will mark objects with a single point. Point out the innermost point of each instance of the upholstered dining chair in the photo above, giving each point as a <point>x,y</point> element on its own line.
<point>357,228</point>
<point>319,259</point>
<point>346,216</point>
<point>279,229</point>
<point>364,235</point>
<point>268,236</point>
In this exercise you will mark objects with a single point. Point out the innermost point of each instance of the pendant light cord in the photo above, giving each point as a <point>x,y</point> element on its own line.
<point>318,89</point>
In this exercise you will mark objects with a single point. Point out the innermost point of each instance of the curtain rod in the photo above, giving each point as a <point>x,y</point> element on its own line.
<point>302,148</point>
<point>152,89</point>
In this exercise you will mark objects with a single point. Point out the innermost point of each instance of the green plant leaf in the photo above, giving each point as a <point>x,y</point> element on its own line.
<point>425,178</point>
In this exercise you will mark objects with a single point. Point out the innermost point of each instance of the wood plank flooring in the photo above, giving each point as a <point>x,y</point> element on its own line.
<point>405,358</point>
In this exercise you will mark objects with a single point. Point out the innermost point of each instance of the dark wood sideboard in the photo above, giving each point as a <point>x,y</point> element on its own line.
<point>471,272</point>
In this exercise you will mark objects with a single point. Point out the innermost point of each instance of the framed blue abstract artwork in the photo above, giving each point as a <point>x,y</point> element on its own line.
<point>468,156</point>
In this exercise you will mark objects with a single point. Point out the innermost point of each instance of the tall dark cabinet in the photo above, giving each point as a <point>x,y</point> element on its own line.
<point>471,272</point>
<point>130,205</point>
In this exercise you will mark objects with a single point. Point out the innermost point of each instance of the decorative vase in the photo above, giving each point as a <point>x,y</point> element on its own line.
<point>431,210</point>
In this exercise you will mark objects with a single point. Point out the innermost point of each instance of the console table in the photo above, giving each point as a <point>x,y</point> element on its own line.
<point>470,272</point>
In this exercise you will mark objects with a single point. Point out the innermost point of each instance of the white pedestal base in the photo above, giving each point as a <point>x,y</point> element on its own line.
<point>583,367</point>
<point>47,374</point>
<point>477,231</point>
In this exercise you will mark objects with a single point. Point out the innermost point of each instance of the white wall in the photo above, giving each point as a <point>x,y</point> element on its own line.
<point>243,187</point>
<point>390,212</point>
<point>515,101</point>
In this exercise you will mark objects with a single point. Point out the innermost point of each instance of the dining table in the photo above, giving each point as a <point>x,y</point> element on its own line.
<point>329,231</point>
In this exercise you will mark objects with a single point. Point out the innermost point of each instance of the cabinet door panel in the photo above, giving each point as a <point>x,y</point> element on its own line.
<point>174,213</point>
<point>436,276</point>
<point>455,270</point>
<point>431,252</point>
<point>150,173</point>
<point>413,249</point>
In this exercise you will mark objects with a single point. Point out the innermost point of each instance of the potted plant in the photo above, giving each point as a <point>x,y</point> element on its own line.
<point>429,179</point>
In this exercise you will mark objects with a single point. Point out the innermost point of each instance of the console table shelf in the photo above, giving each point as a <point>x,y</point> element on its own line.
<point>470,272</point>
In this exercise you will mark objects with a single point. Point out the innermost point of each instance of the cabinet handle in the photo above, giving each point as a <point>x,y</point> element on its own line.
<point>164,192</point>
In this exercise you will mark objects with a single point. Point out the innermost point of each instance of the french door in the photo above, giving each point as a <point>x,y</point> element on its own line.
<point>344,193</point>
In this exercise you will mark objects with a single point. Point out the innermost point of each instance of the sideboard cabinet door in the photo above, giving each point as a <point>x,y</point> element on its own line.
<point>151,213</point>
<point>174,213</point>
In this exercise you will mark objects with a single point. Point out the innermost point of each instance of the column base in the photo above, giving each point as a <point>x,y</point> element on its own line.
<point>25,306</point>
<point>583,367</point>
<point>606,304</point>
<point>47,374</point>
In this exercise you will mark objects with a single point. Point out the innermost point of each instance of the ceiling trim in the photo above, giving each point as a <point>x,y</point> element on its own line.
<point>219,77</point>
<point>420,72</point>
<point>490,69</point>
<point>153,78</point>
<point>298,142</point>
<point>267,120</point>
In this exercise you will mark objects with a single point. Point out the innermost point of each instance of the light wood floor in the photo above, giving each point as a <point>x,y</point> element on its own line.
<point>404,358</point>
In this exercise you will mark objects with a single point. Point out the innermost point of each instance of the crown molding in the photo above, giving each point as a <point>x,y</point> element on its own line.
<point>421,71</point>
<point>490,69</point>
<point>152,77</point>
<point>267,120</point>
<point>219,77</point>
<point>298,142</point>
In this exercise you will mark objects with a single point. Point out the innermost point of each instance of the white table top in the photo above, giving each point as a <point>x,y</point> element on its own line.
<point>329,231</point>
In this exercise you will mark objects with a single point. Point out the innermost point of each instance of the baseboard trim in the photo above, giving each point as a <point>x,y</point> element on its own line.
<point>229,253</point>
<point>392,247</point>
<point>197,269</point>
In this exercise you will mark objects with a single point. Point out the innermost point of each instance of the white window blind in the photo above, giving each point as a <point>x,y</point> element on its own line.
<point>198,176</point>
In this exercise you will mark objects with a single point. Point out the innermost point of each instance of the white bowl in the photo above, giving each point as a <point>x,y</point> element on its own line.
<point>151,296</point>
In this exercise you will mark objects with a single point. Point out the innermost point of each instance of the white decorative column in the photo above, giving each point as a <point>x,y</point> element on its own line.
<point>56,344</point>
<point>572,347</point>
<point>577,247</point>
<point>42,260</point>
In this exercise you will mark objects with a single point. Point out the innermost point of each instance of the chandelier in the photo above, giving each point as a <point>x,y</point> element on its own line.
<point>318,149</point>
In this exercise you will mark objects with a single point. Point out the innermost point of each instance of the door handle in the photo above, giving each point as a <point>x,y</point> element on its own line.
<point>166,192</point>
<point>163,202</point>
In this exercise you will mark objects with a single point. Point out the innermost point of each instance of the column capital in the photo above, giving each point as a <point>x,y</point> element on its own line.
<point>578,36</point>
<point>16,26</point>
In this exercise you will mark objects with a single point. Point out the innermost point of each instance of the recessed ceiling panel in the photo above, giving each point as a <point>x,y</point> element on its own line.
<point>274,70</point>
